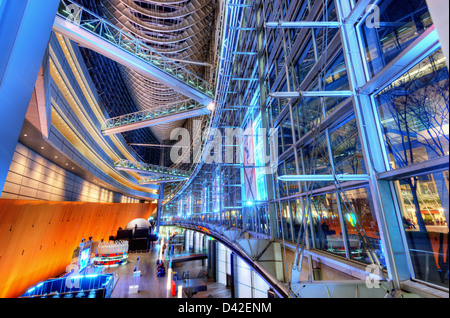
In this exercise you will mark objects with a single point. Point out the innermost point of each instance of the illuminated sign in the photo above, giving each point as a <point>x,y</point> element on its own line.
<point>83,260</point>
<point>84,255</point>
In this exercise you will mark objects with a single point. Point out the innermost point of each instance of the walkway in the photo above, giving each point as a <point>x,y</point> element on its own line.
<point>151,286</point>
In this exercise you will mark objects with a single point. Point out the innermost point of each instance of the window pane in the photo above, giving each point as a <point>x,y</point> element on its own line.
<point>346,147</point>
<point>262,219</point>
<point>325,35</point>
<point>424,205</point>
<point>297,217</point>
<point>307,114</point>
<point>317,160</point>
<point>282,186</point>
<point>291,169</point>
<point>304,63</point>
<point>401,22</point>
<point>413,112</point>
<point>284,222</point>
<point>326,224</point>
<point>286,130</point>
<point>335,79</point>
<point>360,220</point>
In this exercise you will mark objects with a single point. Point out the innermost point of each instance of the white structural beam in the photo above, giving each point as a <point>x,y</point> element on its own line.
<point>311,177</point>
<point>311,94</point>
<point>303,24</point>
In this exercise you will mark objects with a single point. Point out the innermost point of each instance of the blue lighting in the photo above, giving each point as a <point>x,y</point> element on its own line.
<point>79,286</point>
<point>84,257</point>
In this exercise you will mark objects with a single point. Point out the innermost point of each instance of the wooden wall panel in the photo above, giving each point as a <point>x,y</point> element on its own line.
<point>37,238</point>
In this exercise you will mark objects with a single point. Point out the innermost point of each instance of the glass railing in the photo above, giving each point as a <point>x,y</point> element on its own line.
<point>184,106</point>
<point>87,20</point>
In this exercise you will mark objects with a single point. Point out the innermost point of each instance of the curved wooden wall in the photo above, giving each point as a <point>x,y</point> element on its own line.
<point>37,238</point>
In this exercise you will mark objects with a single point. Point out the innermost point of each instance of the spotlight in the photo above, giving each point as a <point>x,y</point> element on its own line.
<point>211,107</point>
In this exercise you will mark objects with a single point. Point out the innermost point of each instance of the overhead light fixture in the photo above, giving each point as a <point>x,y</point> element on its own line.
<point>211,107</point>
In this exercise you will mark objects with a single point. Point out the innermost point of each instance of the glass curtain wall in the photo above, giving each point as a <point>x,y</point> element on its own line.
<point>323,135</point>
<point>324,139</point>
<point>412,110</point>
<point>413,114</point>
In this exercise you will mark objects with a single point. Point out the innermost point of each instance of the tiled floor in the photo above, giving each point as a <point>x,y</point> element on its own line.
<point>152,286</point>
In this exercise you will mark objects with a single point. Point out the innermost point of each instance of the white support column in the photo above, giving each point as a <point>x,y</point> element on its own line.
<point>372,144</point>
<point>439,14</point>
<point>25,28</point>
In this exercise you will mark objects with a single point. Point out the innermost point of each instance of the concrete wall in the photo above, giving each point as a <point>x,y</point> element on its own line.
<point>32,177</point>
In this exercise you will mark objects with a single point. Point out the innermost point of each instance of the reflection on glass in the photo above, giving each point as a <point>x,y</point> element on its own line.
<point>262,222</point>
<point>297,218</point>
<point>424,206</point>
<point>414,112</point>
<point>304,63</point>
<point>346,147</point>
<point>326,224</point>
<point>401,22</point>
<point>317,161</point>
<point>361,226</point>
<point>325,35</point>
<point>286,220</point>
<point>286,132</point>
<point>291,169</point>
<point>307,114</point>
<point>282,186</point>
<point>248,218</point>
<point>335,79</point>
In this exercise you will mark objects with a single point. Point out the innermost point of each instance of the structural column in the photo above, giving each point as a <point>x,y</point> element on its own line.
<point>212,255</point>
<point>382,193</point>
<point>439,14</point>
<point>161,192</point>
<point>264,116</point>
<point>25,28</point>
<point>232,274</point>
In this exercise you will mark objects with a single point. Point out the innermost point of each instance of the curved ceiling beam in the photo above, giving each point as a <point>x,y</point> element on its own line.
<point>199,32</point>
<point>162,26</point>
<point>191,7</point>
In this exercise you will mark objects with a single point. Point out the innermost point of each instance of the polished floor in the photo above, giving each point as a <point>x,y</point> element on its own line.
<point>152,286</point>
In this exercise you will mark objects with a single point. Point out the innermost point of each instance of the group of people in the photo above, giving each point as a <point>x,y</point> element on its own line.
<point>160,270</point>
